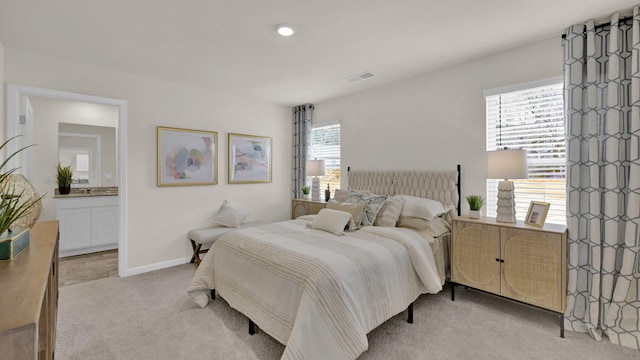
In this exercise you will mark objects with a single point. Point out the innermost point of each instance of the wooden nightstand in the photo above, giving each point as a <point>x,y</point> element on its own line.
<point>301,207</point>
<point>513,260</point>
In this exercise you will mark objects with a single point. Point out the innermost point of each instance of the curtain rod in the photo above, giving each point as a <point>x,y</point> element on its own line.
<point>606,23</point>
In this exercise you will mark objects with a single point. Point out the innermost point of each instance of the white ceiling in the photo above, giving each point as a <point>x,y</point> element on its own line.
<point>232,44</point>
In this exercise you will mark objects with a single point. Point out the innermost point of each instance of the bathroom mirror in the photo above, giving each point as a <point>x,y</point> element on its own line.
<point>80,160</point>
<point>91,152</point>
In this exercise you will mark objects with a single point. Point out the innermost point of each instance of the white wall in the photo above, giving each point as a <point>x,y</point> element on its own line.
<point>159,218</point>
<point>437,120</point>
<point>429,122</point>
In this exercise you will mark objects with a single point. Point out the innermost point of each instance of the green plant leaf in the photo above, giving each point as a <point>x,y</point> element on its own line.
<point>11,206</point>
<point>475,202</point>
<point>64,176</point>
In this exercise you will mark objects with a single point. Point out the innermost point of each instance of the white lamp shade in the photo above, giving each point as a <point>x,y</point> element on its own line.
<point>315,168</point>
<point>507,164</point>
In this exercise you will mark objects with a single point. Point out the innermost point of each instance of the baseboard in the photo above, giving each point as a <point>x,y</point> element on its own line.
<point>156,266</point>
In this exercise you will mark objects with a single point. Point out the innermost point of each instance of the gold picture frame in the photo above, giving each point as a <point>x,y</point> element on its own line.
<point>187,157</point>
<point>537,213</point>
<point>250,159</point>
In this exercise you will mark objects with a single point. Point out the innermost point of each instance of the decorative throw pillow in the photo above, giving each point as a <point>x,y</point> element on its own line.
<point>360,192</point>
<point>229,216</point>
<point>390,212</point>
<point>341,195</point>
<point>333,221</point>
<point>435,227</point>
<point>412,222</point>
<point>356,211</point>
<point>420,207</point>
<point>373,205</point>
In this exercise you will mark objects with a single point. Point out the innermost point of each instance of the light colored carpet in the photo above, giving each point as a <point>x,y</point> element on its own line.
<point>150,316</point>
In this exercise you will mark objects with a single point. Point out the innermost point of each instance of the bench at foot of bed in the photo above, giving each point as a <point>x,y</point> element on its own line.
<point>208,236</point>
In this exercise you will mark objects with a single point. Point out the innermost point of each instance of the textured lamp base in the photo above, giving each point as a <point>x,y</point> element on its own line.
<point>315,189</point>
<point>506,211</point>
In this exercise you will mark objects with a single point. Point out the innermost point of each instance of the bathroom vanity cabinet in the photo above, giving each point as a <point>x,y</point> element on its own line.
<point>88,224</point>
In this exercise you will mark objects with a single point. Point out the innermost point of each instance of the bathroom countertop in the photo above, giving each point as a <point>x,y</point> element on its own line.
<point>88,192</point>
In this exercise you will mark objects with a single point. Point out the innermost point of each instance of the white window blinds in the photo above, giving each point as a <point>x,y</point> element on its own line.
<point>531,118</point>
<point>325,144</point>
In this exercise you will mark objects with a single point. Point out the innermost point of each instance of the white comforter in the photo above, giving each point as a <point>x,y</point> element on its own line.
<point>317,293</point>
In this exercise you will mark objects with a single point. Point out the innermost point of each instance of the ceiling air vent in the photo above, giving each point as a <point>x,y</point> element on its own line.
<point>361,76</point>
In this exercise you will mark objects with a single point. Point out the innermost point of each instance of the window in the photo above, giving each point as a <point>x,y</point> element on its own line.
<point>325,144</point>
<point>531,117</point>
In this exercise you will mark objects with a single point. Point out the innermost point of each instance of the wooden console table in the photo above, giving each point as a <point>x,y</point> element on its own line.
<point>29,297</point>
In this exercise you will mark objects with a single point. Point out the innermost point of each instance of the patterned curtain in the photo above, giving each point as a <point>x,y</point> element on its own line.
<point>602,109</point>
<point>301,143</point>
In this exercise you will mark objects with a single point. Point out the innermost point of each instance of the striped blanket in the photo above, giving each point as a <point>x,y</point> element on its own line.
<point>317,293</point>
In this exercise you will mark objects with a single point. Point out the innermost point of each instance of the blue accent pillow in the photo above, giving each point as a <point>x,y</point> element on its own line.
<point>374,204</point>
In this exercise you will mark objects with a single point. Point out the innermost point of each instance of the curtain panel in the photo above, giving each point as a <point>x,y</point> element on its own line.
<point>602,113</point>
<point>302,125</point>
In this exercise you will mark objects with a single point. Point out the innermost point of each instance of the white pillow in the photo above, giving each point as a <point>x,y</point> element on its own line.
<point>420,207</point>
<point>333,221</point>
<point>229,216</point>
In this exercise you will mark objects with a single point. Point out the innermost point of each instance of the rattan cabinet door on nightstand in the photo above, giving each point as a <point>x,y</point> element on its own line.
<point>301,207</point>
<point>475,249</point>
<point>532,271</point>
<point>517,261</point>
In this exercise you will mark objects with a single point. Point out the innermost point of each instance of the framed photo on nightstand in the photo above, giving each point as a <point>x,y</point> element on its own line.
<point>537,213</point>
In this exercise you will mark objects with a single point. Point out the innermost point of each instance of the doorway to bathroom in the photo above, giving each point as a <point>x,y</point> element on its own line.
<point>64,126</point>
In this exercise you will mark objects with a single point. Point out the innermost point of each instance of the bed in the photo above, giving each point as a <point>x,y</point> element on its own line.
<point>320,294</point>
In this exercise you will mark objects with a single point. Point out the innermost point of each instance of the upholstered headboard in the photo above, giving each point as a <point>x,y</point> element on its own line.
<point>443,186</point>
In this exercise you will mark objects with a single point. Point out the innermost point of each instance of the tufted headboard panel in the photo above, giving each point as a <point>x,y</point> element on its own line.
<point>443,186</point>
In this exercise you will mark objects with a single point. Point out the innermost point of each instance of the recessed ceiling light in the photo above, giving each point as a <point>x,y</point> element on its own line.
<point>360,76</point>
<point>285,29</point>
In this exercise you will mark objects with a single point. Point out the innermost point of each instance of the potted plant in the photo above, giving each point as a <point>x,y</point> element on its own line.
<point>475,204</point>
<point>305,190</point>
<point>64,177</point>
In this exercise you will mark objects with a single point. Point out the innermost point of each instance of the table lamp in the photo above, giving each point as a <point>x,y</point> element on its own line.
<point>506,164</point>
<point>315,168</point>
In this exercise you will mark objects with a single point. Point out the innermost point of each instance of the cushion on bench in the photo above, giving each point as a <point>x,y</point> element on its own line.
<point>210,235</point>
<point>206,236</point>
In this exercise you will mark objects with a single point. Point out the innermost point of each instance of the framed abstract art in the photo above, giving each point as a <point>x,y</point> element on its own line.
<point>249,159</point>
<point>187,157</point>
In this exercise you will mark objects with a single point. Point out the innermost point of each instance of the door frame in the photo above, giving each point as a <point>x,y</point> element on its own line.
<point>15,92</point>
